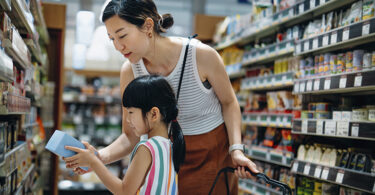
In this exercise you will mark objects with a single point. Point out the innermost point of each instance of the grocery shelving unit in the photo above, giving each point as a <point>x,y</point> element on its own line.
<point>350,84</point>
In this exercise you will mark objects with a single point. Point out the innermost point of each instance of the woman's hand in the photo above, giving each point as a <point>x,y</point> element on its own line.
<point>83,158</point>
<point>241,161</point>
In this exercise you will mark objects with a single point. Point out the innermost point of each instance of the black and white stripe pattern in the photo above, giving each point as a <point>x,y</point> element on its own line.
<point>199,107</point>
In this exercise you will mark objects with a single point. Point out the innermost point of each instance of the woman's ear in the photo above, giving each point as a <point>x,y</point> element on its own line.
<point>148,25</point>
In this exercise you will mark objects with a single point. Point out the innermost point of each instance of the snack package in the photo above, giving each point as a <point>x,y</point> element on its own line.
<point>368,9</point>
<point>355,12</point>
<point>284,100</point>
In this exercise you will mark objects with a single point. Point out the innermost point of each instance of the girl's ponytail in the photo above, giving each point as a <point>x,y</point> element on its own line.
<point>178,145</point>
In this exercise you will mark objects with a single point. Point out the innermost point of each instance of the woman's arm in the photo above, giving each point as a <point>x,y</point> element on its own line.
<point>211,67</point>
<point>125,143</point>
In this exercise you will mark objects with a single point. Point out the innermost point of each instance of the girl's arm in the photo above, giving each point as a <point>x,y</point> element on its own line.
<point>134,176</point>
<point>211,67</point>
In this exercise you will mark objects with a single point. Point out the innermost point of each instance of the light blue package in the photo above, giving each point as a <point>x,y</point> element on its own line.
<point>59,140</point>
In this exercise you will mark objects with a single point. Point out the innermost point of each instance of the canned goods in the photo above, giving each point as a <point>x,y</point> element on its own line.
<point>358,59</point>
<point>322,115</point>
<point>333,64</point>
<point>322,106</point>
<point>360,114</point>
<point>367,60</point>
<point>341,63</point>
<point>349,61</point>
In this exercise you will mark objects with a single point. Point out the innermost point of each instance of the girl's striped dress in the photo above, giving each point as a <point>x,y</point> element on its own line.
<point>162,177</point>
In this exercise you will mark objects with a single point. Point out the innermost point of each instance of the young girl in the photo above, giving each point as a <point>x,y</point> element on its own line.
<point>152,110</point>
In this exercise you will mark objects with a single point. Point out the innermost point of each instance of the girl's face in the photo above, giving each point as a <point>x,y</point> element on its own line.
<point>136,120</point>
<point>127,38</point>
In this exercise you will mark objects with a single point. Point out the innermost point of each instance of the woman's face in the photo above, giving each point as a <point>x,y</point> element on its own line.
<point>127,38</point>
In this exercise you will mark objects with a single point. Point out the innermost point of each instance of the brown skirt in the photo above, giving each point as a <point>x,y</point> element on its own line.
<point>205,155</point>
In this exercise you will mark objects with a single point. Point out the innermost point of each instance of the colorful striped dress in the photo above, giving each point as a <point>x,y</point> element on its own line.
<point>162,177</point>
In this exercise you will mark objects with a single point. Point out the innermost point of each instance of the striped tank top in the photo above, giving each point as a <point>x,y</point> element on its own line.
<point>199,107</point>
<point>162,177</point>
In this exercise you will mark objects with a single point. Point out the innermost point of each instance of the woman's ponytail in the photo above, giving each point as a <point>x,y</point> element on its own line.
<point>178,145</point>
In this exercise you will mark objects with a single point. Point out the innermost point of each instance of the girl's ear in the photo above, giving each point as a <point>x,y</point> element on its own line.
<point>154,114</point>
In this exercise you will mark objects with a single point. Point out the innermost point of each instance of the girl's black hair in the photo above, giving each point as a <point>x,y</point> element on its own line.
<point>136,12</point>
<point>146,92</point>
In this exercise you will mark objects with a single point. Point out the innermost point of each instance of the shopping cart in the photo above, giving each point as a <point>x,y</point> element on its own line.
<point>261,176</point>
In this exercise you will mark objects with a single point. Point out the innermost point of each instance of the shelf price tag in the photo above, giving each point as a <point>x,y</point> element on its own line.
<point>340,176</point>
<point>358,80</point>
<point>355,130</point>
<point>301,8</point>
<point>327,84</point>
<point>343,128</point>
<point>319,127</point>
<point>334,37</point>
<point>315,43</point>
<point>306,45</point>
<point>296,87</point>
<point>325,173</point>
<point>295,167</point>
<point>343,80</point>
<point>304,125</point>
<point>283,160</point>
<point>316,84</point>
<point>330,127</point>
<point>325,40</point>
<point>318,171</point>
<point>309,85</point>
<point>302,87</point>
<point>306,170</point>
<point>345,34</point>
<point>366,28</point>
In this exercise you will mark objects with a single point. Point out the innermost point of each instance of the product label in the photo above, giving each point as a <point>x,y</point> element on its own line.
<point>284,78</point>
<point>296,87</point>
<point>319,127</point>
<point>330,128</point>
<point>343,128</point>
<point>295,167</point>
<point>327,84</point>
<point>325,40</point>
<point>340,176</point>
<point>342,82</point>
<point>291,12</point>
<point>304,125</point>
<point>312,4</point>
<point>301,8</point>
<point>334,37</point>
<point>366,28</point>
<point>345,34</point>
<point>283,160</point>
<point>306,45</point>
<point>325,173</point>
<point>306,170</point>
<point>316,84</point>
<point>298,48</point>
<point>355,130</point>
<point>302,87</point>
<point>358,81</point>
<point>318,171</point>
<point>309,85</point>
<point>315,43</point>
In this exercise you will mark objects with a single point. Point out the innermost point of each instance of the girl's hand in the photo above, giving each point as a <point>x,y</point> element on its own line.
<point>83,158</point>
<point>241,161</point>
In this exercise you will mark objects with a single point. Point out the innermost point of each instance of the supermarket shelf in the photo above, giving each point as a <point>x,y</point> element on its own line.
<point>13,113</point>
<point>22,183</point>
<point>251,187</point>
<point>269,53</point>
<point>19,146</point>
<point>362,130</point>
<point>308,14</point>
<point>23,61</point>
<point>344,177</point>
<point>67,185</point>
<point>340,38</point>
<point>271,82</point>
<point>6,5</point>
<point>18,14</point>
<point>6,67</point>
<point>272,156</point>
<point>348,82</point>
<point>235,75</point>
<point>35,50</point>
<point>30,125</point>
<point>36,9</point>
<point>235,71</point>
<point>78,119</point>
<point>72,98</point>
<point>268,120</point>
<point>95,73</point>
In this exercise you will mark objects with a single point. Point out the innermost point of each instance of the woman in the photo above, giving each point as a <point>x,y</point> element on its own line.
<point>209,114</point>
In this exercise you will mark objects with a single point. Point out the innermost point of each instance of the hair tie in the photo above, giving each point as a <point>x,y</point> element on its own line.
<point>161,24</point>
<point>175,121</point>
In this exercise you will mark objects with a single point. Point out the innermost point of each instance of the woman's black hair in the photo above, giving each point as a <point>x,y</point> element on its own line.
<point>136,12</point>
<point>146,92</point>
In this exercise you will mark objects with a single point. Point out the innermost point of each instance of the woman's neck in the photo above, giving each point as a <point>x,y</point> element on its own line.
<point>162,54</point>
